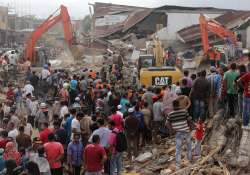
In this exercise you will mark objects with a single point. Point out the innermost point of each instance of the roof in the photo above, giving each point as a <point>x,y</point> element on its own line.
<point>173,7</point>
<point>135,15</point>
<point>192,33</point>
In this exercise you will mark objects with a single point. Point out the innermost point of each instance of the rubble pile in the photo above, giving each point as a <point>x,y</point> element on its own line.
<point>225,150</point>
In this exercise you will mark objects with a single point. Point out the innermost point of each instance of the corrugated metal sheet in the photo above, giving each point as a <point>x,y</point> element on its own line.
<point>192,33</point>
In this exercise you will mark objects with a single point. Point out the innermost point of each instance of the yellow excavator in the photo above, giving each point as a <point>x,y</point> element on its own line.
<point>152,69</point>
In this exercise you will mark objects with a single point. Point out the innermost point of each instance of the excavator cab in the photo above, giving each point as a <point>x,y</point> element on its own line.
<point>150,75</point>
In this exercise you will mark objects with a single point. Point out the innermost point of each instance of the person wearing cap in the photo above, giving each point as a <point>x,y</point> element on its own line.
<point>42,115</point>
<point>77,104</point>
<point>214,80</point>
<point>132,126</point>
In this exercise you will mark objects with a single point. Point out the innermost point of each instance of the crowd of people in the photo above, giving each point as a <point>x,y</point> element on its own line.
<point>95,118</point>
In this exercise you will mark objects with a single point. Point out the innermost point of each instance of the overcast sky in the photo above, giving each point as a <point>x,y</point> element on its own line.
<point>79,8</point>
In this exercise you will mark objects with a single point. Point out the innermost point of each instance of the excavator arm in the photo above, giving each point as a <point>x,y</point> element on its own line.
<point>45,26</point>
<point>216,28</point>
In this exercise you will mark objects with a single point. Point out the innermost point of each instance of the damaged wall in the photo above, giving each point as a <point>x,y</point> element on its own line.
<point>178,21</point>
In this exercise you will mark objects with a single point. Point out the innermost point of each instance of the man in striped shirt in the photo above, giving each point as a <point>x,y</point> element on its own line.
<point>178,120</point>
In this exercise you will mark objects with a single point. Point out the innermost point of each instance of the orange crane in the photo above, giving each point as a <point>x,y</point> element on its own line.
<point>30,53</point>
<point>210,25</point>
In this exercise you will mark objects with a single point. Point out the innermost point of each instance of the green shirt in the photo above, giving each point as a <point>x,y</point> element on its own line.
<point>230,77</point>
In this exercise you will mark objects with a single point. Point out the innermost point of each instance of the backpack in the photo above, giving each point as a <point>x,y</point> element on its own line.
<point>121,142</point>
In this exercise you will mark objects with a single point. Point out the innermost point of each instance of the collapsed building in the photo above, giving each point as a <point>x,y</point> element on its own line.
<point>175,26</point>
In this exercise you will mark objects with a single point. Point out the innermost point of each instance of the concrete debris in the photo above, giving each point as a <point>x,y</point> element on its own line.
<point>142,158</point>
<point>166,172</point>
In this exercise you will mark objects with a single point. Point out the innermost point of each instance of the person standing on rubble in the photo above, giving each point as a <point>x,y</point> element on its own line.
<point>240,89</point>
<point>147,97</point>
<point>199,96</point>
<point>132,127</point>
<point>231,93</point>
<point>214,80</point>
<point>158,116</point>
<point>245,81</point>
<point>178,121</point>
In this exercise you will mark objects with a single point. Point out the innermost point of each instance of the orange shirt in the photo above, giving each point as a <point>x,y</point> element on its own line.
<point>217,55</point>
<point>211,55</point>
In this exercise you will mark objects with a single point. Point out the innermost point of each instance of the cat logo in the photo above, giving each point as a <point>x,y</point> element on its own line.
<point>161,81</point>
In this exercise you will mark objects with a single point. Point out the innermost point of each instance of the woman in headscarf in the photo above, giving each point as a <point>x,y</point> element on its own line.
<point>11,153</point>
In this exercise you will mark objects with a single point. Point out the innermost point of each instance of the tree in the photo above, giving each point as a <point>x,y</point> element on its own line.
<point>86,22</point>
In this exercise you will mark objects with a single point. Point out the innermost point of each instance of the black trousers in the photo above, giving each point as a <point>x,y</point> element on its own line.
<point>77,170</point>
<point>232,103</point>
<point>57,171</point>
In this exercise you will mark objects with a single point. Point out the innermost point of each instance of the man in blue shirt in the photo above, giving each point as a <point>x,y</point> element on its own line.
<point>75,154</point>
<point>67,125</point>
<point>73,89</point>
<point>214,80</point>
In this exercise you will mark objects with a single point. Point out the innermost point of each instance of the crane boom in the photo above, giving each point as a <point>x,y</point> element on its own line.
<point>210,25</point>
<point>45,26</point>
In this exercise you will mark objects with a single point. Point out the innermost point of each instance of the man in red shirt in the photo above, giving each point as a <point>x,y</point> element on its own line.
<point>54,153</point>
<point>117,119</point>
<point>94,156</point>
<point>245,81</point>
<point>45,133</point>
<point>10,95</point>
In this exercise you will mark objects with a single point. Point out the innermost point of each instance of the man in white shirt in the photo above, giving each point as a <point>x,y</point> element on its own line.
<point>64,110</point>
<point>75,125</point>
<point>45,72</point>
<point>13,133</point>
<point>28,89</point>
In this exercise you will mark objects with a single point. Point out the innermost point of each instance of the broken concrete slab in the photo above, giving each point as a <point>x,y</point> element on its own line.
<point>142,158</point>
